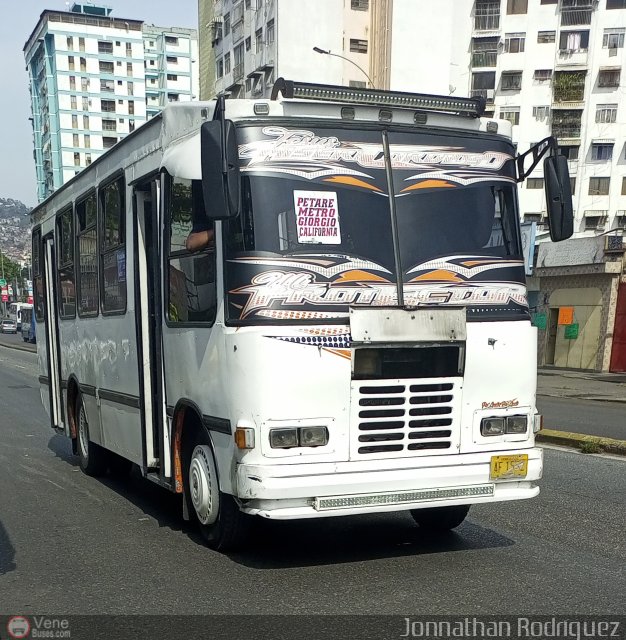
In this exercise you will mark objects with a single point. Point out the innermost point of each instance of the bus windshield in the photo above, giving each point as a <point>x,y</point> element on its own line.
<point>315,233</point>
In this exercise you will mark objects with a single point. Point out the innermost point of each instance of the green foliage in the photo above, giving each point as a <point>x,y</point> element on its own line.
<point>12,270</point>
<point>590,447</point>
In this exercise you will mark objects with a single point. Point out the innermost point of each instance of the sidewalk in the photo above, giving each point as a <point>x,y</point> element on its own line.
<point>568,383</point>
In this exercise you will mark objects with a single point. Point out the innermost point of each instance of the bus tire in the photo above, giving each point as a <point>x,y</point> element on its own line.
<point>440,519</point>
<point>92,458</point>
<point>222,524</point>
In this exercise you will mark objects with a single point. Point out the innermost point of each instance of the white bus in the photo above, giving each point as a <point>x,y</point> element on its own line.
<point>15,312</point>
<point>301,307</point>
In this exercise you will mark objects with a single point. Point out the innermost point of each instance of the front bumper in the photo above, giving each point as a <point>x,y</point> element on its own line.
<point>291,491</point>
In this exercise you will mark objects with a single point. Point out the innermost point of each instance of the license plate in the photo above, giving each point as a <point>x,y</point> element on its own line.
<point>508,467</point>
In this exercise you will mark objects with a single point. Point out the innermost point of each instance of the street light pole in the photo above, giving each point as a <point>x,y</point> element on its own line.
<point>336,55</point>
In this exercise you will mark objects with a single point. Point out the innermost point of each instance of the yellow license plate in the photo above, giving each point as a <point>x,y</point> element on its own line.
<point>508,467</point>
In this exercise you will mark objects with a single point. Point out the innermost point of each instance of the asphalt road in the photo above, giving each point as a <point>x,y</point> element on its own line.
<point>595,418</point>
<point>73,544</point>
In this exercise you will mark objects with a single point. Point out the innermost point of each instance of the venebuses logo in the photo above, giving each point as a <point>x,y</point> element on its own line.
<point>18,627</point>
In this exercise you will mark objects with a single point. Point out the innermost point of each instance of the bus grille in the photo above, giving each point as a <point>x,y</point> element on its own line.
<point>404,418</point>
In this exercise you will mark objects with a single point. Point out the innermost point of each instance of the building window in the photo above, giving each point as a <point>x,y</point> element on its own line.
<point>359,5</point>
<point>534,183</point>
<point>484,52</point>
<point>73,103</point>
<point>574,41</point>
<point>358,46</point>
<point>599,186</point>
<point>131,126</point>
<point>86,123</point>
<point>542,75</point>
<point>570,151</point>
<point>483,85</point>
<point>269,31</point>
<point>541,113</point>
<point>227,64</point>
<point>624,186</point>
<point>569,86</point>
<point>172,76</point>
<point>511,81</point>
<point>74,121</point>
<point>170,60</point>
<point>219,68</point>
<point>83,65</point>
<point>546,37</point>
<point>108,141</point>
<point>172,97</point>
<point>107,86</point>
<point>511,114</point>
<point>572,181</point>
<point>84,84</point>
<point>129,49</point>
<point>87,140</point>
<point>487,15</point>
<point>171,40</point>
<point>226,24</point>
<point>106,67</point>
<point>113,248</point>
<point>595,220</point>
<point>131,107</point>
<point>81,44</point>
<point>601,151</point>
<point>606,113</point>
<point>105,47</point>
<point>75,142</point>
<point>248,43</point>
<point>70,43</point>
<point>514,42</point>
<point>66,292</point>
<point>516,6</point>
<point>107,105</point>
<point>616,4</point>
<point>109,125</point>
<point>86,218</point>
<point>613,39</point>
<point>70,63</point>
<point>73,83</point>
<point>130,87</point>
<point>609,77</point>
<point>76,159</point>
<point>258,40</point>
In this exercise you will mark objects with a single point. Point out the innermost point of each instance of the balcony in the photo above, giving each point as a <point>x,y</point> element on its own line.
<point>566,131</point>
<point>575,17</point>
<point>238,72</point>
<point>484,58</point>
<point>569,87</point>
<point>487,94</point>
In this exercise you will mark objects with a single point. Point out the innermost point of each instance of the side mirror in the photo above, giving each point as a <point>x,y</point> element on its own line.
<point>558,197</point>
<point>220,169</point>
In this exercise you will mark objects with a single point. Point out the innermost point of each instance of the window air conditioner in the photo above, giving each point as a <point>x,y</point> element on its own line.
<point>613,244</point>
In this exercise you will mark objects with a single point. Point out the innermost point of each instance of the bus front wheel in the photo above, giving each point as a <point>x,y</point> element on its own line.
<point>223,526</point>
<point>91,457</point>
<point>440,519</point>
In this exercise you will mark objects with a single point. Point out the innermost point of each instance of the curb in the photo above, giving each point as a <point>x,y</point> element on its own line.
<point>578,440</point>
<point>580,397</point>
<point>18,347</point>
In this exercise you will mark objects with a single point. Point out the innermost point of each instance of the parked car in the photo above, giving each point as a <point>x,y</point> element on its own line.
<point>8,325</point>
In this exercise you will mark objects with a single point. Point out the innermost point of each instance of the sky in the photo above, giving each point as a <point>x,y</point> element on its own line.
<point>17,167</point>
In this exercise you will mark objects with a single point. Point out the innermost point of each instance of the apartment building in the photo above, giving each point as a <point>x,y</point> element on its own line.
<point>250,43</point>
<point>93,79</point>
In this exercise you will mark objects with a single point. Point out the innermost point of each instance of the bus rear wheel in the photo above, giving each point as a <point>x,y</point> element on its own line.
<point>440,519</point>
<point>93,459</point>
<point>222,525</point>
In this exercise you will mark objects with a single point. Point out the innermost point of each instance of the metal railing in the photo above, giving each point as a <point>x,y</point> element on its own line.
<point>238,72</point>
<point>484,58</point>
<point>566,130</point>
<point>488,22</point>
<point>575,16</point>
<point>483,93</point>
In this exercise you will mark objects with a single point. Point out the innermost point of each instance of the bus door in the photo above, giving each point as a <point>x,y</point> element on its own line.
<point>149,320</point>
<point>52,333</point>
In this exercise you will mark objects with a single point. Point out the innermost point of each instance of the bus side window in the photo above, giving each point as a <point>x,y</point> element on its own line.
<point>66,292</point>
<point>191,282</point>
<point>86,217</point>
<point>38,275</point>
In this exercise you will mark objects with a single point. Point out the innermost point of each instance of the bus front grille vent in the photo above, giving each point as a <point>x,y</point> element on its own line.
<point>406,418</point>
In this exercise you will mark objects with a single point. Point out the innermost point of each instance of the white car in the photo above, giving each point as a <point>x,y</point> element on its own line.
<point>8,326</point>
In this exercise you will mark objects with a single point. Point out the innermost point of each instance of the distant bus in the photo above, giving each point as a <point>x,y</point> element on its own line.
<point>15,312</point>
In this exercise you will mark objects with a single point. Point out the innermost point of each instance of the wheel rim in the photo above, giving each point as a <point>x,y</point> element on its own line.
<point>83,433</point>
<point>203,485</point>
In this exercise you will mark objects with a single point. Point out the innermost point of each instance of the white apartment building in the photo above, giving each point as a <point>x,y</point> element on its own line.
<point>90,85</point>
<point>253,42</point>
<point>551,67</point>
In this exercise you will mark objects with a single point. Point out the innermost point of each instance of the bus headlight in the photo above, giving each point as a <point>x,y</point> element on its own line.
<point>516,424</point>
<point>492,426</point>
<point>283,438</point>
<point>313,436</point>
